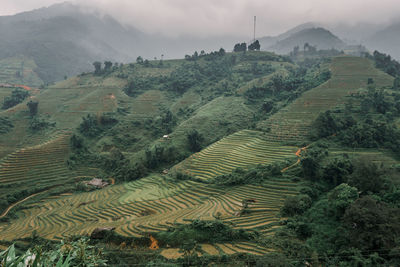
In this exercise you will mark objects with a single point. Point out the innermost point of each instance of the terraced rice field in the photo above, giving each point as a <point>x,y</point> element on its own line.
<point>220,249</point>
<point>242,149</point>
<point>348,75</point>
<point>146,104</point>
<point>67,106</point>
<point>41,166</point>
<point>150,205</point>
<point>24,66</point>
<point>4,92</point>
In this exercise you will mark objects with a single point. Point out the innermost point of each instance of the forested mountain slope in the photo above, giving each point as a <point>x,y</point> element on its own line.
<point>242,139</point>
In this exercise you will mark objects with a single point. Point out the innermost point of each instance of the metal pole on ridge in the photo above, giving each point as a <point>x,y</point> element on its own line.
<point>254,35</point>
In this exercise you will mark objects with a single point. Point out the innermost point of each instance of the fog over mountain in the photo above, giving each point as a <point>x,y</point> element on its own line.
<point>65,38</point>
<point>233,17</point>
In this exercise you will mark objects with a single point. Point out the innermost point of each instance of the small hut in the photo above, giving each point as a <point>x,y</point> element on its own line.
<point>96,182</point>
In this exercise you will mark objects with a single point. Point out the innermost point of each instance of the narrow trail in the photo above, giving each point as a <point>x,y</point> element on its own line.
<point>154,243</point>
<point>298,154</point>
<point>25,199</point>
<point>19,202</point>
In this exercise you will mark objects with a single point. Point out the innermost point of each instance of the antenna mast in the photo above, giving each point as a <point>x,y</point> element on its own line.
<point>254,36</point>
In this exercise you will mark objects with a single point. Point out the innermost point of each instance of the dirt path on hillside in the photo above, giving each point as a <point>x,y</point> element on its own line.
<point>27,88</point>
<point>19,202</point>
<point>298,154</point>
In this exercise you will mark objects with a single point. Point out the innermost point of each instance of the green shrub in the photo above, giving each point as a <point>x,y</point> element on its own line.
<point>93,125</point>
<point>33,107</point>
<point>17,96</point>
<point>255,175</point>
<point>194,140</point>
<point>76,142</point>
<point>38,124</point>
<point>76,253</point>
<point>202,232</point>
<point>296,205</point>
<point>5,125</point>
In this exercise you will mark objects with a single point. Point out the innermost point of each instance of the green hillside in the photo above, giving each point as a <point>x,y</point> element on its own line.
<point>249,144</point>
<point>349,74</point>
<point>141,118</point>
<point>19,70</point>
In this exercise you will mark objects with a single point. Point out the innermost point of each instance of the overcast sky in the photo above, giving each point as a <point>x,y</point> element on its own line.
<point>228,17</point>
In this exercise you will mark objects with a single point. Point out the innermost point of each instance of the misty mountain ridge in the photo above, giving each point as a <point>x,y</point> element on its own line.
<point>319,37</point>
<point>387,39</point>
<point>381,37</point>
<point>268,41</point>
<point>65,39</point>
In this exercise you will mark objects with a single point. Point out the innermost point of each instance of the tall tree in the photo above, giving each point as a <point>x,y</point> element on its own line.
<point>194,140</point>
<point>139,60</point>
<point>255,46</point>
<point>107,66</point>
<point>33,107</point>
<point>97,67</point>
<point>240,47</point>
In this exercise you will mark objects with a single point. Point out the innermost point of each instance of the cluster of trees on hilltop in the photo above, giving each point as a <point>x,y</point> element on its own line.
<point>385,63</point>
<point>210,56</point>
<point>108,67</point>
<point>242,47</point>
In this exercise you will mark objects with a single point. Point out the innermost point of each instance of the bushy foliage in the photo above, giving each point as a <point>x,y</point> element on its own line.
<point>33,107</point>
<point>76,142</point>
<point>17,96</point>
<point>337,170</point>
<point>373,225</point>
<point>341,197</point>
<point>93,125</point>
<point>240,47</point>
<point>296,205</point>
<point>327,124</point>
<point>254,46</point>
<point>98,70</point>
<point>366,130</point>
<point>202,232</point>
<point>284,87</point>
<point>160,155</point>
<point>210,56</point>
<point>37,124</point>
<point>310,163</point>
<point>386,63</point>
<point>254,175</point>
<point>76,253</point>
<point>368,176</point>
<point>194,140</point>
<point>5,125</point>
<point>121,168</point>
<point>183,78</point>
<point>352,223</point>
<point>138,85</point>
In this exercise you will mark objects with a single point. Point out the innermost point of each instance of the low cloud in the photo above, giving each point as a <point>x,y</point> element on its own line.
<point>228,17</point>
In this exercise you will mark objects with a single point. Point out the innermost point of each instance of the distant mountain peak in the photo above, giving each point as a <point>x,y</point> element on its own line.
<point>315,36</point>
<point>272,40</point>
